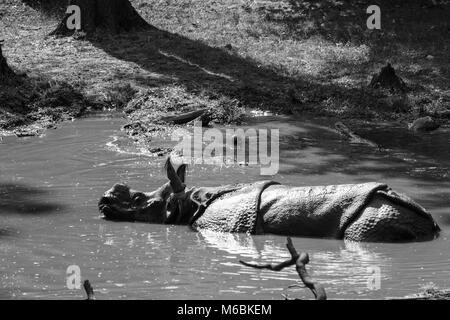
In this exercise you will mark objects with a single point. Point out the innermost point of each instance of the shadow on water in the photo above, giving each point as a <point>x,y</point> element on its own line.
<point>7,232</point>
<point>23,199</point>
<point>312,146</point>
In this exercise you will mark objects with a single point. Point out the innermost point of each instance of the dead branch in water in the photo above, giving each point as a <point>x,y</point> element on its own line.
<point>89,290</point>
<point>345,131</point>
<point>300,261</point>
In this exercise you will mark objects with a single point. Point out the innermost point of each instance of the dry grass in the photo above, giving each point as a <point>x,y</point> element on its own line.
<point>287,56</point>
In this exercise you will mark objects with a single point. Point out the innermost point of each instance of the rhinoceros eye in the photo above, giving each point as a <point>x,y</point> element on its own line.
<point>138,198</point>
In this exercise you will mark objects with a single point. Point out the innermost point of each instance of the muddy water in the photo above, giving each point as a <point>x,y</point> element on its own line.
<point>50,185</point>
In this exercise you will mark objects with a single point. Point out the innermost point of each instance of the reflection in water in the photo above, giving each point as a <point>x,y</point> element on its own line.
<point>71,167</point>
<point>350,264</point>
<point>233,243</point>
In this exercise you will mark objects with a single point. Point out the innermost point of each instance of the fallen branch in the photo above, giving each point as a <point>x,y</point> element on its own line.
<point>184,117</point>
<point>300,261</point>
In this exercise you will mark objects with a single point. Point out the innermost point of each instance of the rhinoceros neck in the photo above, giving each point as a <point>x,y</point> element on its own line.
<point>230,208</point>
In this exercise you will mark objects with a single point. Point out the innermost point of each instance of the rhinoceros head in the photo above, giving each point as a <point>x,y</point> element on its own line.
<point>163,205</point>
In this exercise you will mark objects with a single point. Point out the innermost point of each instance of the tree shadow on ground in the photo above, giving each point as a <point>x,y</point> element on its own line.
<point>23,199</point>
<point>221,72</point>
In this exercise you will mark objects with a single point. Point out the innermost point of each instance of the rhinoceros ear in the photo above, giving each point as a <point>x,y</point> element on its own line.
<point>181,172</point>
<point>175,182</point>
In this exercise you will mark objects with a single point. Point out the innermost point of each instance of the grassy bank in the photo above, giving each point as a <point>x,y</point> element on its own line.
<point>31,104</point>
<point>230,56</point>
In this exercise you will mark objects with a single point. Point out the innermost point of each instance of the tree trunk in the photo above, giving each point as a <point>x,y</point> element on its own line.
<point>5,70</point>
<point>113,16</point>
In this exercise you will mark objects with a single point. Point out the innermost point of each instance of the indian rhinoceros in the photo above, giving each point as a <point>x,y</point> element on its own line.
<point>360,212</point>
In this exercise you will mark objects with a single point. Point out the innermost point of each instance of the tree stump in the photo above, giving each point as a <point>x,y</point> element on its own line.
<point>388,79</point>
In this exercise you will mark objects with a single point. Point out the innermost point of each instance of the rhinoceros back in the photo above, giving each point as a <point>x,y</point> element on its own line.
<point>362,212</point>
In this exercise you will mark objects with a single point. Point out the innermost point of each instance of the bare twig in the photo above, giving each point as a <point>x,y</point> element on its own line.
<point>300,261</point>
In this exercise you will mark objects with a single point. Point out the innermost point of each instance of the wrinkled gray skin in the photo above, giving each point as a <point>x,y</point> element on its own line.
<point>379,221</point>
